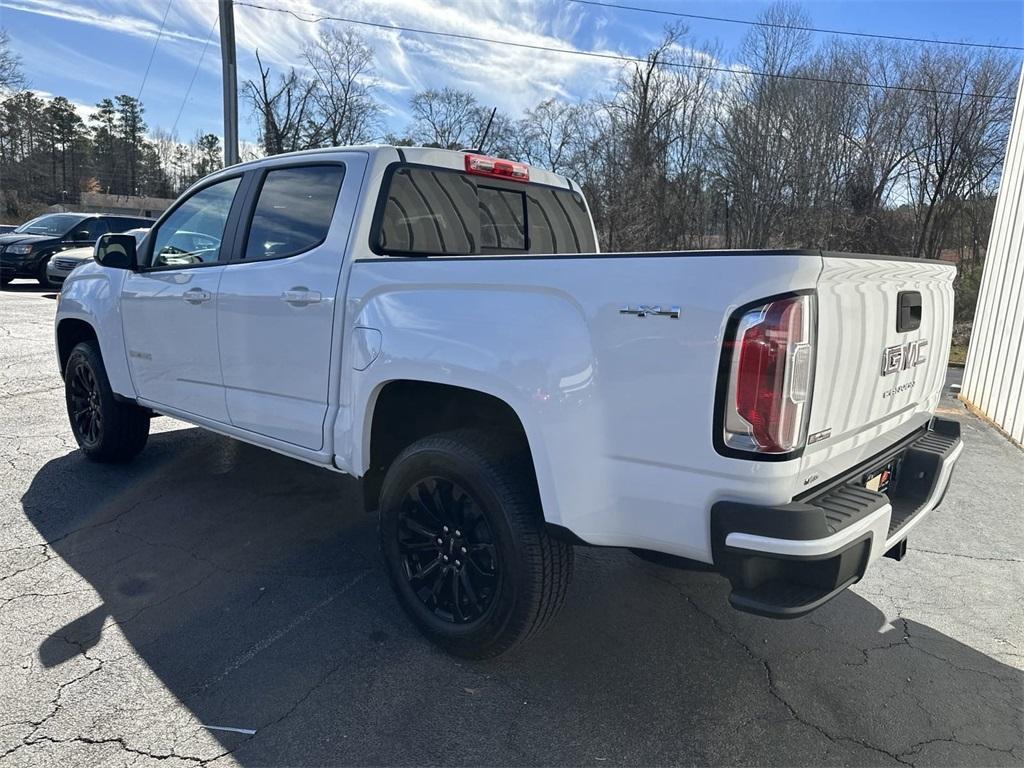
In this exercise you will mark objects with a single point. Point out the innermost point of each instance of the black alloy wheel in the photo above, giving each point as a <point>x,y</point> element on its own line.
<point>465,544</point>
<point>86,415</point>
<point>448,550</point>
<point>106,428</point>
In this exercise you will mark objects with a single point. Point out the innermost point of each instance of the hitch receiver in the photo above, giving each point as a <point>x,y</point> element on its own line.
<point>898,551</point>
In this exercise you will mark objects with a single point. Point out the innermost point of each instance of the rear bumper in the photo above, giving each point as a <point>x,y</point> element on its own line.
<point>784,561</point>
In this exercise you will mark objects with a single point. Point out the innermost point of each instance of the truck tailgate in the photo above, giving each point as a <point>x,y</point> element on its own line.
<point>878,375</point>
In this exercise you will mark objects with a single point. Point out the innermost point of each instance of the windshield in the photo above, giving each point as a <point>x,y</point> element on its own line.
<point>51,224</point>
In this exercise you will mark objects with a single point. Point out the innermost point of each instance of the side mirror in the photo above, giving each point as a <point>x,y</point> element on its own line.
<point>116,251</point>
<point>81,236</point>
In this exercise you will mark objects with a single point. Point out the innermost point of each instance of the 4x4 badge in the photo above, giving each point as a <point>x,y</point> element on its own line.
<point>644,310</point>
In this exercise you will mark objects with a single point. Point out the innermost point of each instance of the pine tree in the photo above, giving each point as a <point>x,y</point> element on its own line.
<point>131,130</point>
<point>104,135</point>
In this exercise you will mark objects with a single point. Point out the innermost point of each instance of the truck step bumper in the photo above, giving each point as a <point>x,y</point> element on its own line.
<point>786,560</point>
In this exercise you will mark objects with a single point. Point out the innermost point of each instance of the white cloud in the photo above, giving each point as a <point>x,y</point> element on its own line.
<point>84,111</point>
<point>130,18</point>
<point>510,78</point>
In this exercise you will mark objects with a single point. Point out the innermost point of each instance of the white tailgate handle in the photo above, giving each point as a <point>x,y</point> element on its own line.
<point>300,296</point>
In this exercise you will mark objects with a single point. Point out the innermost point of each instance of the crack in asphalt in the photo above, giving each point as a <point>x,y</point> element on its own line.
<point>34,737</point>
<point>47,558</point>
<point>952,740</point>
<point>969,557</point>
<point>5,601</point>
<point>121,743</point>
<point>770,678</point>
<point>904,756</point>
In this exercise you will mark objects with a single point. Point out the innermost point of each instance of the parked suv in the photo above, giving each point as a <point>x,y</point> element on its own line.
<point>441,325</point>
<point>27,250</point>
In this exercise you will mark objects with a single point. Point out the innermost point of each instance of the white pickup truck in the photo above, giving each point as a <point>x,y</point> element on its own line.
<point>442,325</point>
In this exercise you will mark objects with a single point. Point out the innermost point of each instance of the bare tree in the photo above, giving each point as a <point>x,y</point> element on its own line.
<point>283,108</point>
<point>548,135</point>
<point>344,109</point>
<point>448,118</point>
<point>960,136</point>
<point>755,139</point>
<point>11,77</point>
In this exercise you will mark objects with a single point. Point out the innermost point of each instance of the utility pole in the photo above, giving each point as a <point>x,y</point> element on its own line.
<point>230,77</point>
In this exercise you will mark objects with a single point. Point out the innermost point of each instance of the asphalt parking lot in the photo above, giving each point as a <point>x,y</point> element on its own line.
<point>216,604</point>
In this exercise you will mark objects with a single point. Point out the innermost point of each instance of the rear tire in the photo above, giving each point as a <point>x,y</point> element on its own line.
<point>107,430</point>
<point>465,546</point>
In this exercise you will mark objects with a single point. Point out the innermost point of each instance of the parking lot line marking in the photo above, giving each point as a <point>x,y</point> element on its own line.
<point>268,641</point>
<point>246,731</point>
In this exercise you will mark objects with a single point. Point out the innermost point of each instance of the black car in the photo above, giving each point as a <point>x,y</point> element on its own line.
<point>26,251</point>
<point>5,228</point>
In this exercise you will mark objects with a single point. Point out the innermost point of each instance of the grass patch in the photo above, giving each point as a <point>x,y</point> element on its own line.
<point>958,353</point>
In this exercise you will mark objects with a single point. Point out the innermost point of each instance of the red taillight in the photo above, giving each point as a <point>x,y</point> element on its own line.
<point>769,377</point>
<point>481,165</point>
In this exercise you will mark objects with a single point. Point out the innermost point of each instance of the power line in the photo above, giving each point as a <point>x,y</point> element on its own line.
<point>798,28</point>
<point>195,72</point>
<point>619,57</point>
<point>152,53</point>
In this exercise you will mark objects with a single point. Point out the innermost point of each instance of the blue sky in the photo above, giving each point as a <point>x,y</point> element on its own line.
<point>89,49</point>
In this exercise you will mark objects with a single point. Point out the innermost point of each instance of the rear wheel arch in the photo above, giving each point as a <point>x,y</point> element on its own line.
<point>406,410</point>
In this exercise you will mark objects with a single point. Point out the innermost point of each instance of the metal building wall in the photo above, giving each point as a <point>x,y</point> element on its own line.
<point>994,377</point>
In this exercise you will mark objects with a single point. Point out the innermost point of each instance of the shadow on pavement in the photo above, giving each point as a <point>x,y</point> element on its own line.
<point>249,584</point>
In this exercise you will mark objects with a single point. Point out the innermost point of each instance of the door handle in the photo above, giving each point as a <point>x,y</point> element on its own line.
<point>196,295</point>
<point>300,296</point>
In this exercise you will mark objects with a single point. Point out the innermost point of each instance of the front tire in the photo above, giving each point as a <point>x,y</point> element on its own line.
<point>107,430</point>
<point>465,546</point>
<point>43,278</point>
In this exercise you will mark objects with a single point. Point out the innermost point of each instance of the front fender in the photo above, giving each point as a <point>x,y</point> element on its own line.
<point>92,294</point>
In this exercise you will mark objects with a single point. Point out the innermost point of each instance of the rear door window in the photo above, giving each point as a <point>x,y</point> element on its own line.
<point>429,211</point>
<point>123,224</point>
<point>294,210</point>
<point>90,230</point>
<point>437,212</point>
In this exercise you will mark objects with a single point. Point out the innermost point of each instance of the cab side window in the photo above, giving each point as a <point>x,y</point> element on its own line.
<point>192,234</point>
<point>294,210</point>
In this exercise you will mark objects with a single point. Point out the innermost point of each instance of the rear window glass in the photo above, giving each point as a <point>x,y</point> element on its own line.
<point>502,218</point>
<point>294,211</point>
<point>432,211</point>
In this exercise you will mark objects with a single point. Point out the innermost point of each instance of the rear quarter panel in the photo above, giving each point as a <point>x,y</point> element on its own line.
<point>617,409</point>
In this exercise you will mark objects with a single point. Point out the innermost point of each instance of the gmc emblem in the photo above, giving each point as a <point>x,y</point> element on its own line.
<point>903,356</point>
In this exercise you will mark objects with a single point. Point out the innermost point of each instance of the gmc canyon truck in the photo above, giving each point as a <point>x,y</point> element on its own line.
<point>442,325</point>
